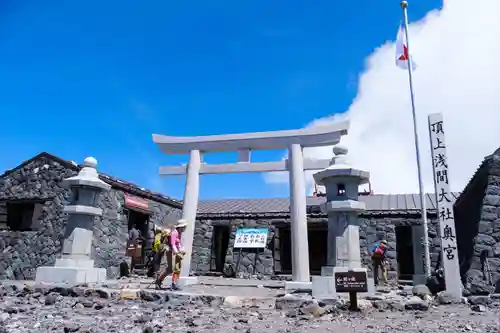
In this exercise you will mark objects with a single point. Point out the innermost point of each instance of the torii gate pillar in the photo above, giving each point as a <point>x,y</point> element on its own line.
<point>298,223</point>
<point>189,209</point>
<point>293,140</point>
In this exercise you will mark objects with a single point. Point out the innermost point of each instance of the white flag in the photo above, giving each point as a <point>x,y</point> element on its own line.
<point>402,51</point>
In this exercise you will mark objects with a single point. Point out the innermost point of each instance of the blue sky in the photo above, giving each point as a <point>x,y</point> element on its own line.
<point>97,78</point>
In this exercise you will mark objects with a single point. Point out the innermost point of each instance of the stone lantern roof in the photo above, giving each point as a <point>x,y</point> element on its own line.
<point>340,167</point>
<point>87,176</point>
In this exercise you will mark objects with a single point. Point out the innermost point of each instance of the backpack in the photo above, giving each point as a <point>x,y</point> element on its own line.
<point>165,240</point>
<point>162,241</point>
<point>157,243</point>
<point>379,251</point>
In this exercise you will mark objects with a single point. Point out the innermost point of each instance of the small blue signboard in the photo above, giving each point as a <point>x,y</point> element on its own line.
<point>250,238</point>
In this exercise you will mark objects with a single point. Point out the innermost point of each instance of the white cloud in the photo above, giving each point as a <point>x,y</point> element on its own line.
<point>457,51</point>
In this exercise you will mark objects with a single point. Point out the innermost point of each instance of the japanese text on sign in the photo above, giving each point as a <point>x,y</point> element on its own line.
<point>441,182</point>
<point>351,282</point>
<point>251,238</point>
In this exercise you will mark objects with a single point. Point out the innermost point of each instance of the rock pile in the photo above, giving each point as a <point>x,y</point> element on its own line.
<point>85,309</point>
<point>419,299</point>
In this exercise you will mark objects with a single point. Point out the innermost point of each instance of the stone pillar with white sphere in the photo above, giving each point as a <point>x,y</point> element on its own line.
<point>75,265</point>
<point>341,181</point>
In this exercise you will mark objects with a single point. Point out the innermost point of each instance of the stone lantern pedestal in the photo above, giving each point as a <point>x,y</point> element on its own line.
<point>75,265</point>
<point>342,182</point>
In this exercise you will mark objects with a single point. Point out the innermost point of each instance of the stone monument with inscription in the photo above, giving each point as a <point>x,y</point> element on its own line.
<point>341,181</point>
<point>447,233</point>
<point>75,265</point>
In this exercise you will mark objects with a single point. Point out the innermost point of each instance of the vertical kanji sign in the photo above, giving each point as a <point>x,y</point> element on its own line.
<point>444,205</point>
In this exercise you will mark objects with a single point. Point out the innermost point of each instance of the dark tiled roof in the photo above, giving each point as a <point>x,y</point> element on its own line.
<point>374,203</point>
<point>114,182</point>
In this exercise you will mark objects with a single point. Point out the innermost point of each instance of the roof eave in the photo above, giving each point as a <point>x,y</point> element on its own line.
<point>264,215</point>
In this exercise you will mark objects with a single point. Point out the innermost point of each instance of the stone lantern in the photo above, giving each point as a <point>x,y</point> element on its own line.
<point>341,181</point>
<point>75,266</point>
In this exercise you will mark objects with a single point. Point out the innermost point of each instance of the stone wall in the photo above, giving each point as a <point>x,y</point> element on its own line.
<point>249,264</point>
<point>372,229</point>
<point>21,252</point>
<point>486,236</point>
<point>203,245</point>
<point>111,230</point>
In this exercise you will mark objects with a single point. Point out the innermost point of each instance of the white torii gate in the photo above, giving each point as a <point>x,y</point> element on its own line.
<point>293,140</point>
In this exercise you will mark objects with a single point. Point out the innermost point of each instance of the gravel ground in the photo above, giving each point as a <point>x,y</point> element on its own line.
<point>84,310</point>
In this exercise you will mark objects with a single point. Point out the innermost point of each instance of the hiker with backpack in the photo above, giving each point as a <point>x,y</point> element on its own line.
<point>158,249</point>
<point>379,261</point>
<point>175,254</point>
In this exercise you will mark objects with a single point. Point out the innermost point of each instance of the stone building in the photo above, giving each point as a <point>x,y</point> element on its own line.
<point>32,221</point>
<point>477,220</point>
<point>395,218</point>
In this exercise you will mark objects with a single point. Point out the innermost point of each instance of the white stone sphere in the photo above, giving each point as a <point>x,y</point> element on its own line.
<point>90,162</point>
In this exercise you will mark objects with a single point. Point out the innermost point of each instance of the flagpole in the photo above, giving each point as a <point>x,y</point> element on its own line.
<point>425,226</point>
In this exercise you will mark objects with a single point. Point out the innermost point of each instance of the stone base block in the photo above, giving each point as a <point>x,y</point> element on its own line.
<point>70,275</point>
<point>371,287</point>
<point>183,281</point>
<point>295,285</point>
<point>80,263</point>
<point>419,279</point>
<point>349,263</point>
<point>323,287</point>
<point>330,270</point>
<point>326,271</point>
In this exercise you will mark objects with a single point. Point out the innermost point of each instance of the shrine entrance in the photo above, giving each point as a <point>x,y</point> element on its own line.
<point>404,252</point>
<point>317,237</point>
<point>294,141</point>
<point>220,245</point>
<point>138,214</point>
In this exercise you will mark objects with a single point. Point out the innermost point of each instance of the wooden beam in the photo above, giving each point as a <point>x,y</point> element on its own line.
<point>244,167</point>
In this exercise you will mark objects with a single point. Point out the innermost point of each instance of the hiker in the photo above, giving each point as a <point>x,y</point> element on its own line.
<point>176,252</point>
<point>134,246</point>
<point>134,233</point>
<point>158,249</point>
<point>379,261</point>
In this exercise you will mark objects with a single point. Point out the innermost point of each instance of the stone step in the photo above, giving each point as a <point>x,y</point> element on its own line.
<point>207,299</point>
